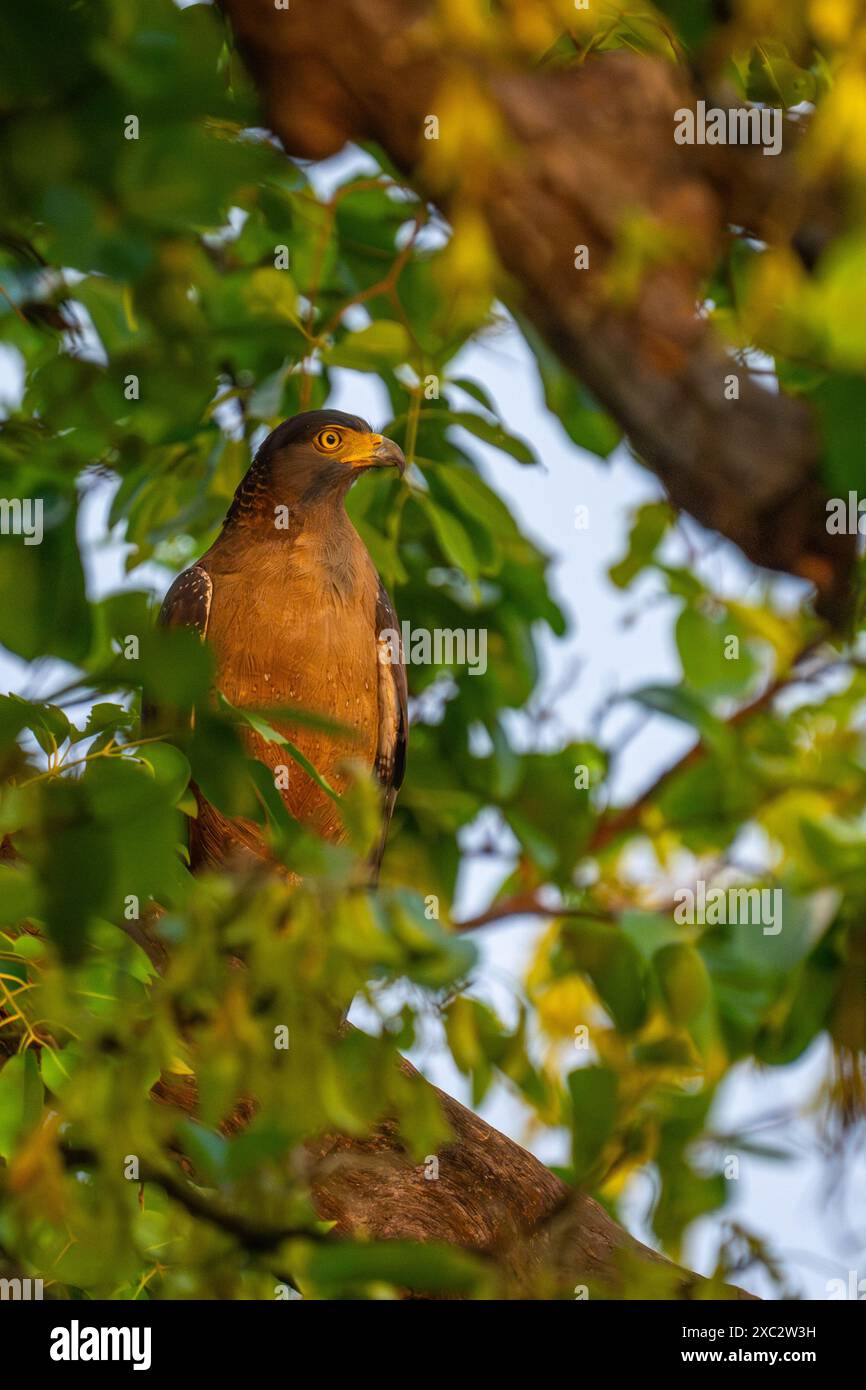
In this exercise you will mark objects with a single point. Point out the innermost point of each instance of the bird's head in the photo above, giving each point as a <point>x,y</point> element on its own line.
<point>322,451</point>
<point>330,436</point>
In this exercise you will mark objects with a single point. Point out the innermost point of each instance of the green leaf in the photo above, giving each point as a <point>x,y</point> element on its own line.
<point>174,667</point>
<point>453,538</point>
<point>19,894</point>
<point>683,980</point>
<point>267,731</point>
<point>169,766</point>
<point>379,345</point>
<point>580,416</point>
<point>49,616</point>
<point>58,1066</point>
<point>476,500</point>
<point>430,1267</point>
<point>476,391</point>
<point>693,18</point>
<point>614,966</point>
<point>21,1094</point>
<point>594,1098</point>
<point>271,294</point>
<point>106,718</point>
<point>775,79</point>
<point>432,956</point>
<point>689,708</point>
<point>841,406</point>
<point>652,522</point>
<point>493,433</point>
<point>208,1152</point>
<point>706,646</point>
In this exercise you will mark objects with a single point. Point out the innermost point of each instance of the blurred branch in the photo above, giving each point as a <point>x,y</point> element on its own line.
<point>529,904</point>
<point>252,1236</point>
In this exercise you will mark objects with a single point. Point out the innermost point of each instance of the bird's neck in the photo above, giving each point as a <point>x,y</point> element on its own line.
<point>282,523</point>
<point>267,497</point>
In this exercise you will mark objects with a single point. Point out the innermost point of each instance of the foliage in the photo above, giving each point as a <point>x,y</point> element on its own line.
<point>154,261</point>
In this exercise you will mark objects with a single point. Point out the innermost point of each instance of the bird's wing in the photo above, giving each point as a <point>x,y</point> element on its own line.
<point>187,604</point>
<point>188,601</point>
<point>390,764</point>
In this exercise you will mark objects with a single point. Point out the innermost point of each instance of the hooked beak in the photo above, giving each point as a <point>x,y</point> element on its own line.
<point>388,454</point>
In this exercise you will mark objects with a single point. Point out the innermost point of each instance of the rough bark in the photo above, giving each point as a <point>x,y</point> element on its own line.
<point>492,1198</point>
<point>586,150</point>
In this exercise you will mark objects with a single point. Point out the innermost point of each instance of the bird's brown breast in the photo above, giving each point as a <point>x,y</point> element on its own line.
<point>295,624</point>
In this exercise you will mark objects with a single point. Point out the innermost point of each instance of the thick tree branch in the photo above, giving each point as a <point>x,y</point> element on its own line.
<point>491,1197</point>
<point>585,153</point>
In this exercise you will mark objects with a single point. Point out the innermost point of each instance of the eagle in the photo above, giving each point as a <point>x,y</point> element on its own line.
<point>290,602</point>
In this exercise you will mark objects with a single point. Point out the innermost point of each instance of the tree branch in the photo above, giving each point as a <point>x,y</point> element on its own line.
<point>527,904</point>
<point>491,1198</point>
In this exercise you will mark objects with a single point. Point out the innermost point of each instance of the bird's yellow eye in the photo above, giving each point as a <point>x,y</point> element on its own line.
<point>328,440</point>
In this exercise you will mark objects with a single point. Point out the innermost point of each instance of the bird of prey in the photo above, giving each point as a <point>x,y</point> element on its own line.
<point>290,601</point>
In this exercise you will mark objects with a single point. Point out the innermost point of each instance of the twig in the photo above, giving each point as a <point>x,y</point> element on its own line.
<point>252,1237</point>
<point>528,905</point>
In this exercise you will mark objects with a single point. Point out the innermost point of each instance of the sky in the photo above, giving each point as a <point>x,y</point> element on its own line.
<point>616,643</point>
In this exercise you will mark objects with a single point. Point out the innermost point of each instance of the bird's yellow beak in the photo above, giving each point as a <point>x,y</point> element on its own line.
<point>376,451</point>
